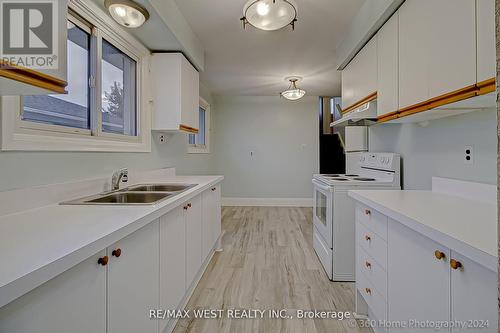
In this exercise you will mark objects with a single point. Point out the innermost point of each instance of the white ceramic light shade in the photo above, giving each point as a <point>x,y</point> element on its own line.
<point>127,13</point>
<point>293,94</point>
<point>270,14</point>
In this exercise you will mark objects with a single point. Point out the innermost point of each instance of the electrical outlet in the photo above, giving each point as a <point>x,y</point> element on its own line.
<point>162,138</point>
<point>468,155</point>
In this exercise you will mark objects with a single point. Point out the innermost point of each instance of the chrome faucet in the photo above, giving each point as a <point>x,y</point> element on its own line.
<point>120,175</point>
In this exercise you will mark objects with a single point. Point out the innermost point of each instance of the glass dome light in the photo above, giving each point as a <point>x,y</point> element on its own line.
<point>270,15</point>
<point>127,12</point>
<point>293,93</point>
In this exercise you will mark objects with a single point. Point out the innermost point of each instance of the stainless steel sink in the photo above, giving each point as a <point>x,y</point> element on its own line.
<point>145,194</point>
<point>131,198</point>
<point>160,187</point>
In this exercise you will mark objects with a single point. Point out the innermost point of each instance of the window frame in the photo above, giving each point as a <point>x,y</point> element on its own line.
<point>203,149</point>
<point>18,134</point>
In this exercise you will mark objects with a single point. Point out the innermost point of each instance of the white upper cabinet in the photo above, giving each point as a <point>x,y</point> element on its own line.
<point>133,281</point>
<point>359,78</point>
<point>485,17</point>
<point>387,67</point>
<point>176,93</point>
<point>24,79</point>
<point>414,18</point>
<point>451,46</point>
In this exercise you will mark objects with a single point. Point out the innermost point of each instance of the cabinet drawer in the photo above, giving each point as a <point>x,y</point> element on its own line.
<point>372,271</point>
<point>373,220</point>
<point>374,246</point>
<point>372,297</point>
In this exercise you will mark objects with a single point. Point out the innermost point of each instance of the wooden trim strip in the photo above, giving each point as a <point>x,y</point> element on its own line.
<point>188,129</point>
<point>32,77</point>
<point>366,99</point>
<point>480,88</point>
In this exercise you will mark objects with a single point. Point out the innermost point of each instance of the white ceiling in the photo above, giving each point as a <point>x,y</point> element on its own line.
<point>255,62</point>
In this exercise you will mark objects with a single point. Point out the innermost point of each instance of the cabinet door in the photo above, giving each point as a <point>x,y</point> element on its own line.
<point>387,67</point>
<point>217,221</point>
<point>193,239</point>
<point>348,86</point>
<point>418,282</point>
<point>366,72</point>
<point>172,260</point>
<point>414,21</point>
<point>190,94</point>
<point>208,201</point>
<point>452,46</point>
<point>74,301</point>
<point>485,18</point>
<point>473,295</point>
<point>133,281</point>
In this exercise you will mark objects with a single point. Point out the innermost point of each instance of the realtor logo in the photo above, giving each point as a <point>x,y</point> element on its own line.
<point>29,33</point>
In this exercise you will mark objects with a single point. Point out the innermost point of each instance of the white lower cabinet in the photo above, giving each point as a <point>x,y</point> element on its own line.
<point>74,301</point>
<point>473,296</point>
<point>133,281</point>
<point>193,239</point>
<point>211,227</point>
<point>419,283</point>
<point>425,282</point>
<point>172,260</point>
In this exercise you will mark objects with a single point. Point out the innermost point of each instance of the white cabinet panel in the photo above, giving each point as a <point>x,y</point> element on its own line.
<point>486,62</point>
<point>211,227</point>
<point>473,295</point>
<point>193,239</point>
<point>74,301</point>
<point>452,46</point>
<point>176,92</point>
<point>414,31</point>
<point>172,260</point>
<point>418,283</point>
<point>387,67</point>
<point>133,281</point>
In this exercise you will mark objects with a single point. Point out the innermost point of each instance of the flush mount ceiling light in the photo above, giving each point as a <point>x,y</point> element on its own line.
<point>270,14</point>
<point>293,93</point>
<point>127,12</point>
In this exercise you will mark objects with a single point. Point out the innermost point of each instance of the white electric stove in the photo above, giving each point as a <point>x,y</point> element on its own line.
<point>333,211</point>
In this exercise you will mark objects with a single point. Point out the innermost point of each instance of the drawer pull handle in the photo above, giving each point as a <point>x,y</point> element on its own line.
<point>367,212</point>
<point>455,264</point>
<point>439,255</point>
<point>368,238</point>
<point>368,264</point>
<point>117,253</point>
<point>368,290</point>
<point>103,261</point>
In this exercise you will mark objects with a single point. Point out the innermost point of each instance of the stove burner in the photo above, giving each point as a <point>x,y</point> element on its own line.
<point>365,179</point>
<point>352,175</point>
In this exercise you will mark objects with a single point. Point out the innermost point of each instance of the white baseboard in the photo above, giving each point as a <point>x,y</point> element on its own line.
<point>268,202</point>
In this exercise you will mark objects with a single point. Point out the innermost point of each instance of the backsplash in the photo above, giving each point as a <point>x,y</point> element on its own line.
<point>438,148</point>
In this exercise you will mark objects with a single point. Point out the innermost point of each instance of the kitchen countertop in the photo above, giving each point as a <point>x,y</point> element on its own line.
<point>466,226</point>
<point>39,244</point>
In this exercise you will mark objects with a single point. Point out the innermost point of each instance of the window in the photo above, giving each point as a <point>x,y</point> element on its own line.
<point>103,109</point>
<point>199,143</point>
<point>72,109</point>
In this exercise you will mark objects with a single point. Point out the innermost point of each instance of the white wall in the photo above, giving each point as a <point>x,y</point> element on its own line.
<point>284,138</point>
<point>438,149</point>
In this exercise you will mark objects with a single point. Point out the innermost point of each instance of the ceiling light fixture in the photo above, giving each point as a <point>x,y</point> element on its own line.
<point>127,12</point>
<point>270,14</point>
<point>293,93</point>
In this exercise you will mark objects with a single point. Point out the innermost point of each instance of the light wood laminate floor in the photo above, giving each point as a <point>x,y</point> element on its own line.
<point>268,262</point>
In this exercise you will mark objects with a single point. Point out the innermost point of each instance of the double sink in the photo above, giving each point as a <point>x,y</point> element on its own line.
<point>146,194</point>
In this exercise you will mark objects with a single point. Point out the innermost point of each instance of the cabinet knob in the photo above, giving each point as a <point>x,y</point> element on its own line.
<point>368,264</point>
<point>367,238</point>
<point>103,261</point>
<point>189,205</point>
<point>368,290</point>
<point>185,207</point>
<point>439,255</point>
<point>367,212</point>
<point>117,253</point>
<point>213,189</point>
<point>455,264</point>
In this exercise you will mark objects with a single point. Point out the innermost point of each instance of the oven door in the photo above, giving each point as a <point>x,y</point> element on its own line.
<point>323,211</point>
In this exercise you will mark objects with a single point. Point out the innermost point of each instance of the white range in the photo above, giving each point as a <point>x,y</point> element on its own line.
<point>333,211</point>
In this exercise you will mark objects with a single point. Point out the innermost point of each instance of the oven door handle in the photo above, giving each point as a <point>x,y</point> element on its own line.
<point>321,186</point>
